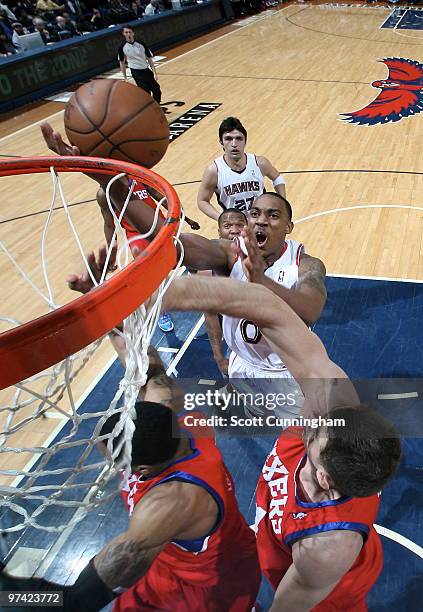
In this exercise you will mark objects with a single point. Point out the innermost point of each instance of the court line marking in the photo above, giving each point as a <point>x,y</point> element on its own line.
<point>400,539</point>
<point>172,366</point>
<point>378,278</point>
<point>387,19</point>
<point>167,349</point>
<point>30,125</point>
<point>358,207</point>
<point>236,31</point>
<point>396,396</point>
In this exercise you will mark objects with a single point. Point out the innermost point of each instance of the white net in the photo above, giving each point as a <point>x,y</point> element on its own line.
<point>51,472</point>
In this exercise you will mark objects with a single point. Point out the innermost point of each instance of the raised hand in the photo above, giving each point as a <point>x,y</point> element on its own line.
<point>252,262</point>
<point>55,142</point>
<point>84,282</point>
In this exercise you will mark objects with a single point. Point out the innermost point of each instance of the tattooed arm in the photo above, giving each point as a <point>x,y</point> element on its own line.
<point>174,510</point>
<point>307,298</point>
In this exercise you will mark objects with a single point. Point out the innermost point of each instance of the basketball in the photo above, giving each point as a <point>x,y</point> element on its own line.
<point>115,119</point>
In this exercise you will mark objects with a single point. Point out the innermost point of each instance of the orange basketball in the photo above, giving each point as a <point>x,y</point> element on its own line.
<point>111,118</point>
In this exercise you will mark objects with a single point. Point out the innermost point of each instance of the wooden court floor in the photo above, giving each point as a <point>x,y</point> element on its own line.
<point>356,191</point>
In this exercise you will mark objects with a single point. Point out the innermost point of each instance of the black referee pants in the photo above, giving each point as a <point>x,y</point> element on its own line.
<point>145,79</point>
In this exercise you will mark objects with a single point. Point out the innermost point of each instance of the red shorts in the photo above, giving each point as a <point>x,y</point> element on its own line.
<point>162,590</point>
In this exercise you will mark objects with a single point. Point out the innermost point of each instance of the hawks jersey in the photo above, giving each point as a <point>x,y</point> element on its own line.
<point>140,190</point>
<point>238,189</point>
<point>203,561</point>
<point>282,519</point>
<point>242,336</point>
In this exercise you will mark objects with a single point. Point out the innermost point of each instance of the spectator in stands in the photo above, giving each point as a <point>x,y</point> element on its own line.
<point>74,7</point>
<point>6,46</point>
<point>48,6</point>
<point>23,16</point>
<point>64,29</point>
<point>8,12</point>
<point>119,13</point>
<point>40,26</point>
<point>18,30</point>
<point>96,22</point>
<point>137,9</point>
<point>6,25</point>
<point>153,8</point>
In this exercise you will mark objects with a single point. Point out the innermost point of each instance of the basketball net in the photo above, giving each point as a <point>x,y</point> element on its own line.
<point>69,474</point>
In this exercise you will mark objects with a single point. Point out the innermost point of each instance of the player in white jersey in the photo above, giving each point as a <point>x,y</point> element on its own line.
<point>269,222</point>
<point>236,178</point>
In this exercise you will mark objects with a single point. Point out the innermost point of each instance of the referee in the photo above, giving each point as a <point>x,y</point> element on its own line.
<point>140,63</point>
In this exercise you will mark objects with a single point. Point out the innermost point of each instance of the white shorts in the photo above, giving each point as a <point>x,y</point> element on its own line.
<point>266,391</point>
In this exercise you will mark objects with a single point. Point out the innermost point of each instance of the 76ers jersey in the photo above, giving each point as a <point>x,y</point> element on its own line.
<point>282,519</point>
<point>140,191</point>
<point>242,336</point>
<point>203,561</point>
<point>238,189</point>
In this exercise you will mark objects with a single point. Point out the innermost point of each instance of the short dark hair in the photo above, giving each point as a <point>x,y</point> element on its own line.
<point>288,206</point>
<point>127,27</point>
<point>362,456</point>
<point>229,124</point>
<point>156,436</point>
<point>227,212</point>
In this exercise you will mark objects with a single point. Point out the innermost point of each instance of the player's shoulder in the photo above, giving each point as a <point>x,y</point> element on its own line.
<point>262,161</point>
<point>210,172</point>
<point>308,263</point>
<point>325,557</point>
<point>177,492</point>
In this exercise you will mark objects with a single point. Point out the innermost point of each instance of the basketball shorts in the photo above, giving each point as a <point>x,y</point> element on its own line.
<point>161,590</point>
<point>266,391</point>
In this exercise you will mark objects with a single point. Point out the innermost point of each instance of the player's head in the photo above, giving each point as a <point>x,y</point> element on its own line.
<point>230,223</point>
<point>356,459</point>
<point>270,218</point>
<point>156,438</point>
<point>155,441</point>
<point>233,138</point>
<point>128,33</point>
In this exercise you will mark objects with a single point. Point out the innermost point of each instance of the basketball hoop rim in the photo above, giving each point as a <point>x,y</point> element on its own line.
<point>38,344</point>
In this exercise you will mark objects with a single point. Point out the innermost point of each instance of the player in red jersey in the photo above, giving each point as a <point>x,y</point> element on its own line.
<point>187,546</point>
<point>318,495</point>
<point>147,195</point>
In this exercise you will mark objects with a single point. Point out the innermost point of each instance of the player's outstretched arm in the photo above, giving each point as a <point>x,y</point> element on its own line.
<point>299,348</point>
<point>173,510</point>
<point>267,169</point>
<point>324,384</point>
<point>319,562</point>
<point>170,511</point>
<point>205,193</point>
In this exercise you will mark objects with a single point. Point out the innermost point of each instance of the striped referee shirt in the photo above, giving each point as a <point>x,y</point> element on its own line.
<point>136,54</point>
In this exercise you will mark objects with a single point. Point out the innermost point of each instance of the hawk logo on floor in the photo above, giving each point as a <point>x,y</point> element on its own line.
<point>401,94</point>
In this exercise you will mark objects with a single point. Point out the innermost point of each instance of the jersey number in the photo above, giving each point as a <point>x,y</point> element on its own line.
<point>250,333</point>
<point>244,204</point>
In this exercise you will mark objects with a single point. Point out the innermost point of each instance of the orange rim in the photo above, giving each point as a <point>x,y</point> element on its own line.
<point>34,346</point>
